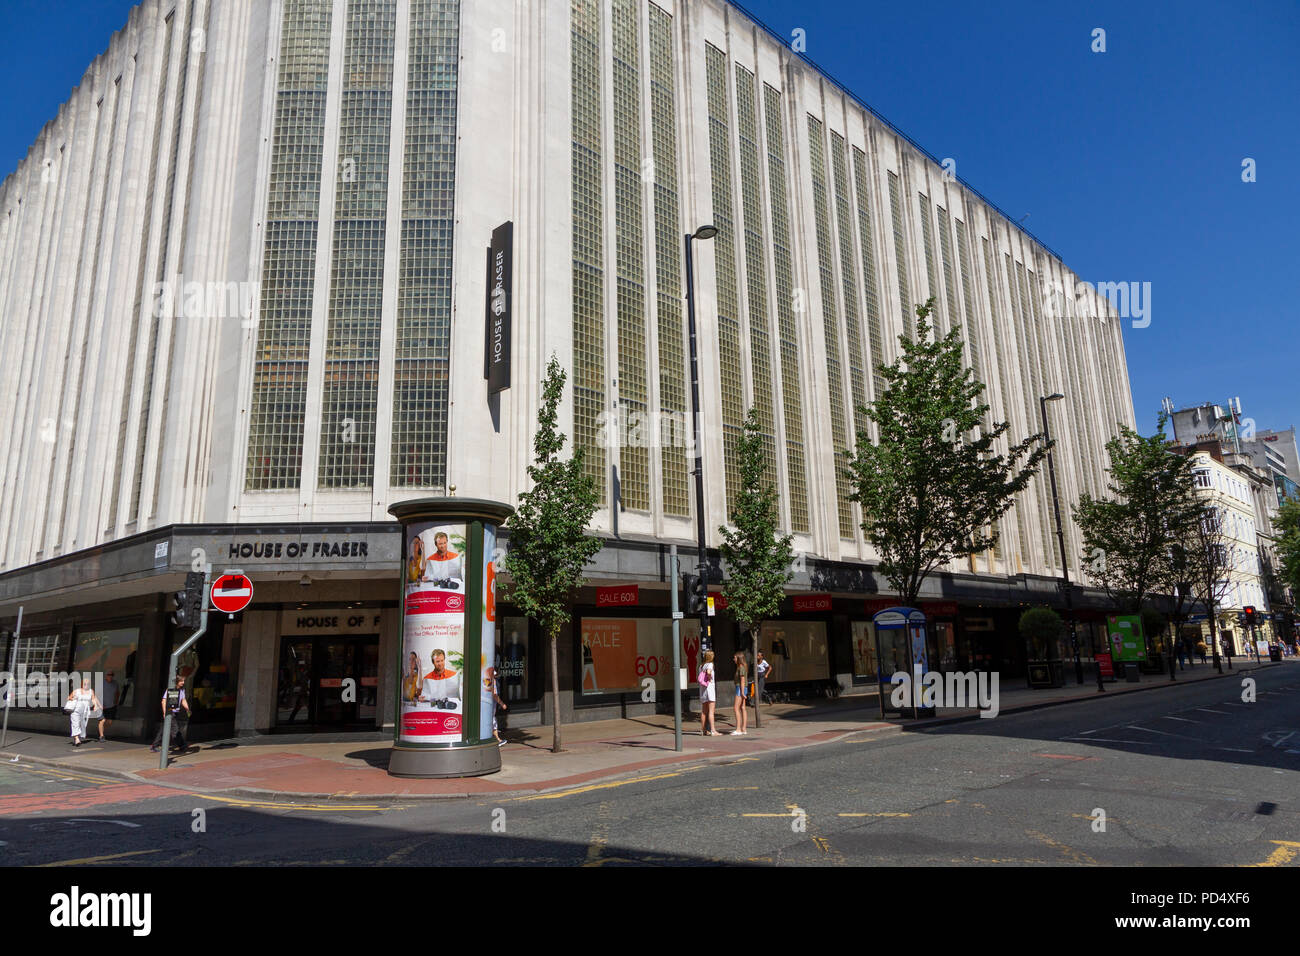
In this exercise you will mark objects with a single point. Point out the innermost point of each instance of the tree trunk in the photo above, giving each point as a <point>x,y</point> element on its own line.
<point>555,689</point>
<point>1214,639</point>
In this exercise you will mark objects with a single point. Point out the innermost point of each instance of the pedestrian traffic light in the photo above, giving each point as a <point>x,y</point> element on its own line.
<point>693,584</point>
<point>189,602</point>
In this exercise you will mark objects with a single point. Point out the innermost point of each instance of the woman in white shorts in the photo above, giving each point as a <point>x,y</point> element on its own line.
<point>708,697</point>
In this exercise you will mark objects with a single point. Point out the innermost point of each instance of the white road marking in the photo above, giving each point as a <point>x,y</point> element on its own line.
<point>1222,713</point>
<point>1150,731</point>
<point>1108,740</point>
<point>1183,719</point>
<point>1235,750</point>
<point>120,823</point>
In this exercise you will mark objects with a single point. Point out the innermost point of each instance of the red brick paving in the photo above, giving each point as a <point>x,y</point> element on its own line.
<point>81,799</point>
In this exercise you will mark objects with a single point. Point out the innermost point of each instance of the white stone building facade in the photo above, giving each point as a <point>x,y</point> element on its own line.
<point>242,288</point>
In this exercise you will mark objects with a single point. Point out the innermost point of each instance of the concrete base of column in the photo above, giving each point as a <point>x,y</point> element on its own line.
<point>472,761</point>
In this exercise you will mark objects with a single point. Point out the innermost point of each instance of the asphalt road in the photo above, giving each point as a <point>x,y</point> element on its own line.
<point>1187,775</point>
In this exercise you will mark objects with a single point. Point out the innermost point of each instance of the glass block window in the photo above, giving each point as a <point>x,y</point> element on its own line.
<point>971,328</point>
<point>1090,473</point>
<point>945,260</point>
<point>937,318</point>
<point>871,299</point>
<point>724,247</point>
<point>423,346</point>
<point>588,255</point>
<point>791,402</point>
<point>629,252</point>
<point>751,191</point>
<point>674,418</point>
<point>351,374</point>
<point>1043,343</point>
<point>1003,359</point>
<point>972,325</point>
<point>279,396</point>
<point>830,322</point>
<point>900,257</point>
<point>1038,381</point>
<point>1028,365</point>
<point>848,279</point>
<point>47,653</point>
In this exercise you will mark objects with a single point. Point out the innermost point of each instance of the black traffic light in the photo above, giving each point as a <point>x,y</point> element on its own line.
<point>1249,612</point>
<point>695,596</point>
<point>189,602</point>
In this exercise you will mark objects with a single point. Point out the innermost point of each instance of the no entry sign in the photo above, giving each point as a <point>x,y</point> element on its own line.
<point>231,593</point>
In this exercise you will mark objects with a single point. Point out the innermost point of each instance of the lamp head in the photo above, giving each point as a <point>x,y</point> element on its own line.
<point>1053,397</point>
<point>705,232</point>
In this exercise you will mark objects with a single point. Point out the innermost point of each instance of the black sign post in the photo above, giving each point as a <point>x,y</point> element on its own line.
<point>496,356</point>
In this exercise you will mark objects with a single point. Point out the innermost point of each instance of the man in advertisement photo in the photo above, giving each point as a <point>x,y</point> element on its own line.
<point>441,685</point>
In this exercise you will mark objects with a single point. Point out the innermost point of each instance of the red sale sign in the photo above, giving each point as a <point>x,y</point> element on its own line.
<point>1106,665</point>
<point>812,602</point>
<point>622,596</point>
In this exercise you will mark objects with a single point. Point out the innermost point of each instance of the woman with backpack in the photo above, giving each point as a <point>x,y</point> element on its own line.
<point>708,697</point>
<point>742,671</point>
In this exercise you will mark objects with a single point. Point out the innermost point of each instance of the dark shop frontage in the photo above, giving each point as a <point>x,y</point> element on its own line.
<point>325,619</point>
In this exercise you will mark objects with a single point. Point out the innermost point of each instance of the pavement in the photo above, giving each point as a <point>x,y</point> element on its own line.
<point>287,767</point>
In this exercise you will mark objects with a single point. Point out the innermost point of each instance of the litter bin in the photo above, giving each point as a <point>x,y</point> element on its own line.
<point>1275,652</point>
<point>1131,672</point>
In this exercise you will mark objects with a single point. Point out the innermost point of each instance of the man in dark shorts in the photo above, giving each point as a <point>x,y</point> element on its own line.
<point>112,694</point>
<point>173,700</point>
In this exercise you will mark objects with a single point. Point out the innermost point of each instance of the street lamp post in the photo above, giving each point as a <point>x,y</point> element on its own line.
<point>1060,538</point>
<point>706,637</point>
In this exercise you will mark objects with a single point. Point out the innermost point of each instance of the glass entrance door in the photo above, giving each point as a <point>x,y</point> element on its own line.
<point>293,700</point>
<point>328,681</point>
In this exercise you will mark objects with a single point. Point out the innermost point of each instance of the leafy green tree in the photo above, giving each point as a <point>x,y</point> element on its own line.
<point>1287,528</point>
<point>759,561</point>
<point>935,485</point>
<point>1042,628</point>
<point>549,546</point>
<point>1128,537</point>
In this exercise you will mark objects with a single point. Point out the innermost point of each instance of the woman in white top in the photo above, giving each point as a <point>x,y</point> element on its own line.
<point>708,698</point>
<point>83,701</point>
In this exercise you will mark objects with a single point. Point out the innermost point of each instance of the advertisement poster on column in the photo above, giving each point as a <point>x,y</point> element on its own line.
<point>487,660</point>
<point>433,634</point>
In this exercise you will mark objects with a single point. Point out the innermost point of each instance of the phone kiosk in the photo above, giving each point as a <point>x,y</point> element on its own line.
<point>901,648</point>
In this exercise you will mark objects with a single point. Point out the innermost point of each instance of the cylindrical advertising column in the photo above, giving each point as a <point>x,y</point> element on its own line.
<point>444,706</point>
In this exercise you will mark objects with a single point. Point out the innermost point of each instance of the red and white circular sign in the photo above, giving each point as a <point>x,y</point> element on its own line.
<point>231,593</point>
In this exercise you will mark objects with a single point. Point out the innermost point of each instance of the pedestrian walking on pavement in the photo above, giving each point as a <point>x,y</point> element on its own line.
<point>79,705</point>
<point>112,694</point>
<point>174,701</point>
<point>761,668</point>
<point>708,697</point>
<point>500,708</point>
<point>742,671</point>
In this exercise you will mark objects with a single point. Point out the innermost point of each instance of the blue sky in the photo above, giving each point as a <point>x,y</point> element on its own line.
<point>1128,162</point>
